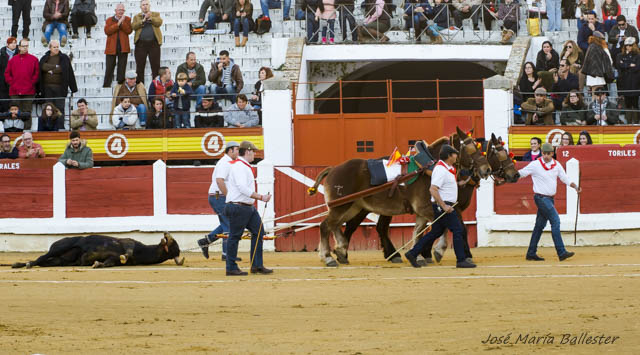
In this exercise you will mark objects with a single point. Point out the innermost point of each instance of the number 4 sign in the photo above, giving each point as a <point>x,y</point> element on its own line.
<point>116,146</point>
<point>213,143</point>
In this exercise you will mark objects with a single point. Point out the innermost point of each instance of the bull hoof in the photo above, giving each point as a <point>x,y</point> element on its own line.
<point>438,255</point>
<point>97,265</point>
<point>123,259</point>
<point>330,262</point>
<point>396,259</point>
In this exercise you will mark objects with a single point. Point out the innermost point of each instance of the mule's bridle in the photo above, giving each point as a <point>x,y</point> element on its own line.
<point>505,162</point>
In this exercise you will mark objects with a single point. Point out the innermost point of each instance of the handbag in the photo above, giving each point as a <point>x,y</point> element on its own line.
<point>533,26</point>
<point>196,28</point>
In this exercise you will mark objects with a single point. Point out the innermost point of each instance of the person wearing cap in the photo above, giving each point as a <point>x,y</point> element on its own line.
<point>602,111</point>
<point>539,109</point>
<point>444,194</point>
<point>135,91</point>
<point>587,30</point>
<point>628,82</point>
<point>6,53</point>
<point>240,209</point>
<point>217,199</point>
<point>545,172</point>
<point>619,34</point>
<point>209,113</point>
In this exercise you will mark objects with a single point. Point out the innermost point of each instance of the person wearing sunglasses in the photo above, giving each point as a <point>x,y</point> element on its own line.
<point>619,33</point>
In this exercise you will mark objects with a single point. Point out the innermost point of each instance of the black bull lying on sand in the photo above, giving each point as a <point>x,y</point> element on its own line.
<point>103,251</point>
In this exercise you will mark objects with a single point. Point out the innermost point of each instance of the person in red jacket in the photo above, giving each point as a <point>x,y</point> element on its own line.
<point>117,28</point>
<point>22,75</point>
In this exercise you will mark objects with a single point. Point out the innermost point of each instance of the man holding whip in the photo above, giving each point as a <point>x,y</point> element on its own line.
<point>545,172</point>
<point>242,214</point>
<point>444,195</point>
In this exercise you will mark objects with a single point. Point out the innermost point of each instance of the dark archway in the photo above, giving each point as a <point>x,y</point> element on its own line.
<point>405,93</point>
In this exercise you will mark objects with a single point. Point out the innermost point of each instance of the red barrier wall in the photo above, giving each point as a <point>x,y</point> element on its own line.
<point>26,188</point>
<point>188,190</point>
<point>110,192</point>
<point>610,186</point>
<point>518,198</point>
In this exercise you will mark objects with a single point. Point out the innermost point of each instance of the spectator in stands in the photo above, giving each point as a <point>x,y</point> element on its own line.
<point>597,62</point>
<point>117,29</point>
<point>547,58</point>
<point>610,12</point>
<point>328,17</point>
<point>256,99</point>
<point>241,114</point>
<point>416,15</point>
<point>265,5</point>
<point>583,8</point>
<point>619,34</point>
<point>51,119</point>
<point>587,29</point>
<point>208,114</point>
<point>300,9</point>
<point>158,117</point>
<point>376,22</point>
<point>125,115</point>
<point>574,110</point>
<point>465,9</point>
<point>136,92</point>
<point>534,153</point>
<point>221,11</point>
<point>83,118</point>
<point>6,53</point>
<point>563,82</point>
<point>539,109</point>
<point>508,13</point>
<point>161,86</point>
<point>243,20</point>
<point>585,138</point>
<point>180,94</point>
<point>628,83</point>
<point>22,74</point>
<point>83,14</point>
<point>20,7</point>
<point>441,20</point>
<point>312,23</point>
<point>554,14</point>
<point>6,150</point>
<point>148,39</point>
<point>77,155</point>
<point>56,76</point>
<point>602,112</point>
<point>15,120</point>
<point>56,16</point>
<point>345,15</point>
<point>196,78</point>
<point>226,78</point>
<point>573,55</point>
<point>529,81</point>
<point>567,139</point>
<point>28,149</point>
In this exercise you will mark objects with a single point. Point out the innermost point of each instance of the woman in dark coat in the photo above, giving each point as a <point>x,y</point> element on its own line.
<point>628,64</point>
<point>597,62</point>
<point>529,81</point>
<point>547,58</point>
<point>51,119</point>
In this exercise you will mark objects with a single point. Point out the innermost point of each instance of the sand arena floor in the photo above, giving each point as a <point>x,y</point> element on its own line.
<point>367,307</point>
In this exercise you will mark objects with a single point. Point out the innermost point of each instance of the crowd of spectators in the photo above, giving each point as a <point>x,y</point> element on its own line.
<point>593,81</point>
<point>566,139</point>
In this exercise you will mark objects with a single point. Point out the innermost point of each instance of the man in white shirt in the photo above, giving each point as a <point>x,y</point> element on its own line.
<point>217,201</point>
<point>545,172</point>
<point>241,212</point>
<point>444,194</point>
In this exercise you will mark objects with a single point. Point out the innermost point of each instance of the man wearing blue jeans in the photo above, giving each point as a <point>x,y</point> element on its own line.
<point>545,172</point>
<point>217,199</point>
<point>265,5</point>
<point>242,213</point>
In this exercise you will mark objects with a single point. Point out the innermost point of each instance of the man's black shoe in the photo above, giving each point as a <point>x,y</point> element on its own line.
<point>534,257</point>
<point>465,265</point>
<point>261,270</point>
<point>412,259</point>
<point>566,255</point>
<point>224,258</point>
<point>204,246</point>
<point>237,273</point>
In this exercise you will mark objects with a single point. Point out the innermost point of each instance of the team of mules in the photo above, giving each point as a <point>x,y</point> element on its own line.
<point>102,251</point>
<point>353,176</point>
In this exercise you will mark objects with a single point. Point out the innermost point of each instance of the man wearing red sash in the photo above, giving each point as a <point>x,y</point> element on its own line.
<point>545,172</point>
<point>444,194</point>
<point>241,212</point>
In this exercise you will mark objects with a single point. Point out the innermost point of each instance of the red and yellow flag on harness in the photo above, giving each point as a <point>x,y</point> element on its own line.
<point>394,157</point>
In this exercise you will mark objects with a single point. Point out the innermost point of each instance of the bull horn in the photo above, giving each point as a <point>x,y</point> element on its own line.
<point>178,262</point>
